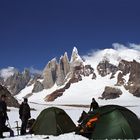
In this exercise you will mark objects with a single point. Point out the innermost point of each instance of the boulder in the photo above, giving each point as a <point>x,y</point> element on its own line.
<point>111,93</point>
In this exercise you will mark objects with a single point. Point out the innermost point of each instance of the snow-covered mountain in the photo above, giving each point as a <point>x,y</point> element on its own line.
<point>109,75</point>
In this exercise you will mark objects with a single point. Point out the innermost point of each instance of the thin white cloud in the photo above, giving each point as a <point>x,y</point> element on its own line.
<point>133,46</point>
<point>118,46</point>
<point>7,72</point>
<point>34,70</point>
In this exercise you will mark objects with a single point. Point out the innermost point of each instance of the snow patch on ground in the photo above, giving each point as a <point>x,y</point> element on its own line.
<point>73,112</point>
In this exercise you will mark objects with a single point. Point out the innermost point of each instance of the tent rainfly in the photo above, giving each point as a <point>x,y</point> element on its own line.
<point>53,121</point>
<point>115,122</point>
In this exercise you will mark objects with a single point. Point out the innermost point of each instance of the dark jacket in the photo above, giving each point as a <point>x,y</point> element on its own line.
<point>93,105</point>
<point>3,110</point>
<point>3,115</point>
<point>24,111</point>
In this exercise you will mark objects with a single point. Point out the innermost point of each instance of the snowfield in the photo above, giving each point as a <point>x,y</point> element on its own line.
<point>81,93</point>
<point>70,136</point>
<point>73,112</point>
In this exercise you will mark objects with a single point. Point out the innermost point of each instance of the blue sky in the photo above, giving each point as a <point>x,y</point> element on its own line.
<point>34,31</point>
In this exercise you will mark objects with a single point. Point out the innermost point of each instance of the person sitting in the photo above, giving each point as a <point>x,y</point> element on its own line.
<point>4,117</point>
<point>94,105</point>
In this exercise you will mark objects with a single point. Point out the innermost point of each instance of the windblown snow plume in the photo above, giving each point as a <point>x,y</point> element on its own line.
<point>115,54</point>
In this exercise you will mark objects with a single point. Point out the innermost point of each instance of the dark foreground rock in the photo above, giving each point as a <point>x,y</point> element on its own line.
<point>11,101</point>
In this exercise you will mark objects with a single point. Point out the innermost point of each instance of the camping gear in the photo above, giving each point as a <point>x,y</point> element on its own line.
<point>53,121</point>
<point>17,127</point>
<point>113,122</point>
<point>30,123</point>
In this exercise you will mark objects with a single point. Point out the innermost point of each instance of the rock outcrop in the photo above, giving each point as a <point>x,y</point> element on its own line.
<point>11,101</point>
<point>66,73</point>
<point>34,78</point>
<point>133,69</point>
<point>104,68</point>
<point>38,86</point>
<point>18,81</point>
<point>49,74</point>
<point>57,93</point>
<point>125,67</point>
<point>74,77</point>
<point>111,93</point>
<point>59,72</point>
<point>120,79</point>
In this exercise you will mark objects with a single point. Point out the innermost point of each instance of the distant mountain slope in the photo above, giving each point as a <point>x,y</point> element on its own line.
<point>112,74</point>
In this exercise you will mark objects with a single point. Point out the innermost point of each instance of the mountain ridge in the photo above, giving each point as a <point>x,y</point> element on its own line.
<point>110,65</point>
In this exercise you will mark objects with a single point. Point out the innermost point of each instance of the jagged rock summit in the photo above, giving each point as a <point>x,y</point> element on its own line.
<point>58,72</point>
<point>108,73</point>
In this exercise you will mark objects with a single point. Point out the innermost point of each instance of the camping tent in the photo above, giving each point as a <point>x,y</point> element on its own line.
<point>53,121</point>
<point>115,122</point>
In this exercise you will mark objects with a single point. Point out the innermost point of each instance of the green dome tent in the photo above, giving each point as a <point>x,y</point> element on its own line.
<point>115,122</point>
<point>53,121</point>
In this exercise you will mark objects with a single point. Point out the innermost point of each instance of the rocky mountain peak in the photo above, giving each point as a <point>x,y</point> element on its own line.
<point>74,55</point>
<point>16,81</point>
<point>49,73</point>
<point>65,64</point>
<point>76,60</point>
<point>59,73</point>
<point>65,72</point>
